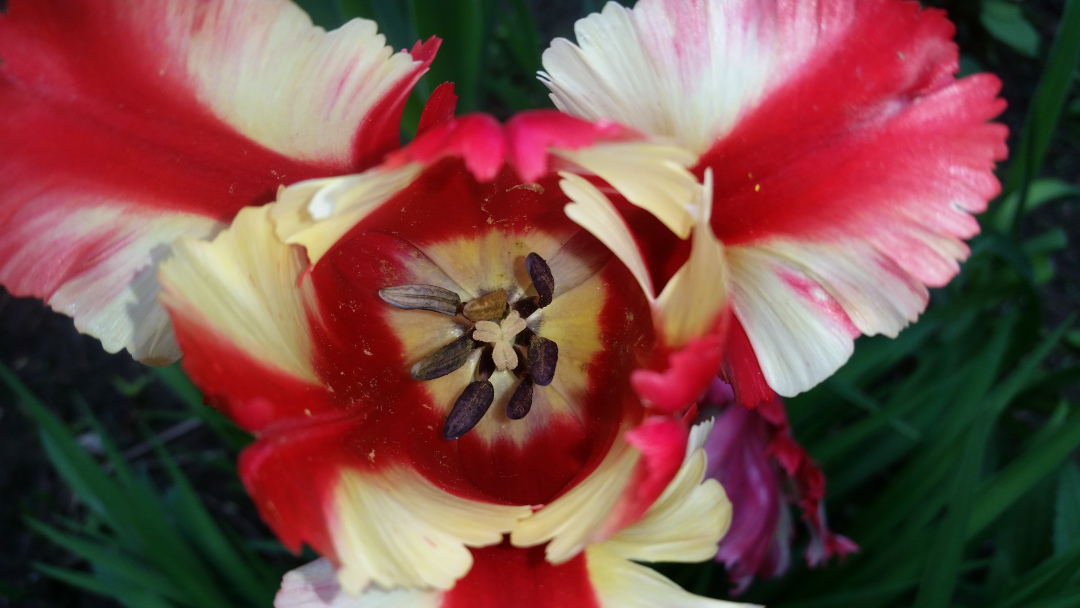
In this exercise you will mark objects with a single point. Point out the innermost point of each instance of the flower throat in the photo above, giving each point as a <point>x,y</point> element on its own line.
<point>500,330</point>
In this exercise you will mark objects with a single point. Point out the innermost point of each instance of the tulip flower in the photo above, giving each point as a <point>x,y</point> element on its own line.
<point>754,456</point>
<point>470,362</point>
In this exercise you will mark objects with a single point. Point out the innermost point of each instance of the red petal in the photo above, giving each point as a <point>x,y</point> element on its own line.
<point>740,369</point>
<point>691,370</point>
<point>896,148</point>
<point>112,109</point>
<point>507,576</point>
<point>439,108</point>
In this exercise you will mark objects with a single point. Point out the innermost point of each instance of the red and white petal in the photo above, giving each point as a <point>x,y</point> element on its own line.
<point>802,304</point>
<point>635,471</point>
<point>188,112</point>
<point>98,264</point>
<point>688,519</point>
<point>315,585</point>
<point>394,528</point>
<point>799,333</point>
<point>865,188</point>
<point>241,317</point>
<point>348,486</point>
<point>330,97</point>
<point>678,70</point>
<point>620,583</point>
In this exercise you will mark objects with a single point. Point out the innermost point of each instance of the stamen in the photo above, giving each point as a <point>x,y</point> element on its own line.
<point>488,306</point>
<point>541,276</point>
<point>446,360</point>
<point>469,408</point>
<point>543,356</point>
<point>521,400</point>
<point>422,297</point>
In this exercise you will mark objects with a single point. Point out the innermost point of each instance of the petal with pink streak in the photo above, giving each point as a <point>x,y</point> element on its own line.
<point>128,124</point>
<point>857,159</point>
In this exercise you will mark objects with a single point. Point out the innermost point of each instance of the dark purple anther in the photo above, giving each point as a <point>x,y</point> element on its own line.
<point>469,408</point>
<point>447,359</point>
<point>541,277</point>
<point>526,307</point>
<point>543,355</point>
<point>521,401</point>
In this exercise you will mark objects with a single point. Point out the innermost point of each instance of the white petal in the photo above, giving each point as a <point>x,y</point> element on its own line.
<point>684,70</point>
<point>315,585</point>
<point>800,334</point>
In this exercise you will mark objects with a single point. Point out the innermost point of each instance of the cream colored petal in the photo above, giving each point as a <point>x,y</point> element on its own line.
<point>573,520</point>
<point>687,70</point>
<point>244,285</point>
<point>263,68</point>
<point>620,583</point>
<point>394,528</point>
<point>684,525</point>
<point>317,213</point>
<point>696,295</point>
<point>878,296</point>
<point>593,211</point>
<point>652,176</point>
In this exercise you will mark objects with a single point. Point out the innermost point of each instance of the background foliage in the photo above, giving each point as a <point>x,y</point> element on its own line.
<point>950,452</point>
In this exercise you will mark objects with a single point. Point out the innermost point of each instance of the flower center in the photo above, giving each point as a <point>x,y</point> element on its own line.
<point>500,329</point>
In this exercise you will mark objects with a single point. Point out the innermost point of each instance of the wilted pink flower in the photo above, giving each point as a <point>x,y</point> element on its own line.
<point>753,455</point>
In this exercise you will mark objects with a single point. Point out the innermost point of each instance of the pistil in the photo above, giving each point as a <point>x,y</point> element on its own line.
<point>502,337</point>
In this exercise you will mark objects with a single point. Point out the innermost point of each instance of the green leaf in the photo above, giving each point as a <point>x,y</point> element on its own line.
<point>325,13</point>
<point>76,579</point>
<point>1006,22</point>
<point>460,56</point>
<point>127,568</point>
<point>1039,460</point>
<point>1067,510</point>
<point>242,570</point>
<point>1042,118</point>
<point>1042,191</point>
<point>943,566</point>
